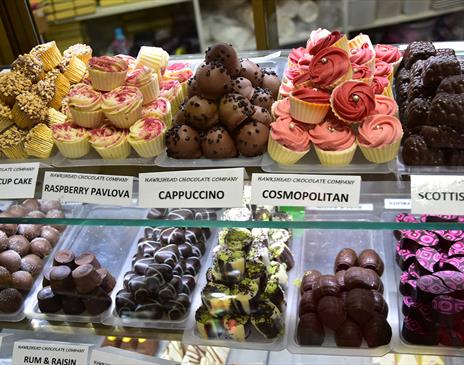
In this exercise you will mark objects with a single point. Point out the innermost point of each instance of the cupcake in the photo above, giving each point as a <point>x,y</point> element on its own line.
<point>334,142</point>
<point>109,142</point>
<point>28,110</point>
<point>381,86</point>
<point>123,106</point>
<point>147,83</point>
<point>383,69</point>
<point>45,89</point>
<point>107,73</point>
<point>389,54</point>
<point>359,40</point>
<point>61,85</point>
<point>315,36</point>
<point>334,39</point>
<point>363,56</point>
<point>85,105</point>
<point>362,73</point>
<point>172,91</point>
<point>385,105</point>
<point>159,109</point>
<point>39,141</point>
<point>288,141</point>
<point>81,51</point>
<point>30,66</point>
<point>286,87</point>
<point>330,67</point>
<point>48,53</point>
<point>295,55</point>
<point>72,141</point>
<point>12,143</point>
<point>6,117</point>
<point>146,137</point>
<point>11,85</point>
<point>155,58</point>
<point>280,108</point>
<point>56,117</point>
<point>379,138</point>
<point>309,105</point>
<point>352,101</point>
<point>73,68</point>
<point>129,60</point>
<point>179,71</point>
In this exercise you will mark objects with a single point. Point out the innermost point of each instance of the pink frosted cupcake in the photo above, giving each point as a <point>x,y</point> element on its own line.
<point>334,39</point>
<point>385,105</point>
<point>110,142</point>
<point>389,54</point>
<point>146,136</point>
<point>123,106</point>
<point>295,55</point>
<point>334,142</point>
<point>362,73</point>
<point>85,106</point>
<point>172,90</point>
<point>330,67</point>
<point>286,86</point>
<point>363,56</point>
<point>107,73</point>
<point>159,109</point>
<point>381,86</point>
<point>129,60</point>
<point>147,83</point>
<point>315,36</point>
<point>179,71</point>
<point>309,105</point>
<point>352,101</point>
<point>383,69</point>
<point>379,138</point>
<point>281,108</point>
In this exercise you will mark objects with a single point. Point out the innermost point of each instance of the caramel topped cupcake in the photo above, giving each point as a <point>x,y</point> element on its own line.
<point>30,66</point>
<point>48,53</point>
<point>45,89</point>
<point>11,143</point>
<point>81,51</point>
<point>39,141</point>
<point>6,118</point>
<point>28,110</point>
<point>11,85</point>
<point>62,87</point>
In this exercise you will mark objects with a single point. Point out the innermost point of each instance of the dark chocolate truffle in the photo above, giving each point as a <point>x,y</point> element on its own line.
<point>51,234</point>
<point>97,301</point>
<point>310,331</point>
<point>349,334</point>
<point>10,260</point>
<point>252,139</point>
<point>20,244</point>
<point>182,141</point>
<point>370,259</point>
<point>217,143</point>
<point>308,279</point>
<point>224,54</point>
<point>30,231</point>
<point>64,257</point>
<point>47,300</point>
<point>31,205</point>
<point>22,280</point>
<point>360,305</point>
<point>331,311</point>
<point>87,258</point>
<point>272,82</point>
<point>72,304</point>
<point>262,98</point>
<point>345,259</point>
<point>212,80</point>
<point>325,285</point>
<point>243,86</point>
<point>251,71</point>
<point>5,278</point>
<point>10,300</point>
<point>86,278</point>
<point>377,331</point>
<point>41,247</point>
<point>108,281</point>
<point>261,115</point>
<point>61,280</point>
<point>233,110</point>
<point>201,113</point>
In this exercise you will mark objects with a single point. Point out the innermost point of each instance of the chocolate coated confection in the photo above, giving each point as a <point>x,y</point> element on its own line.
<point>36,214</point>
<point>358,277</point>
<point>263,98</point>
<point>349,334</point>
<point>22,280</point>
<point>267,320</point>
<point>47,205</point>
<point>47,300</point>
<point>8,228</point>
<point>16,210</point>
<point>331,311</point>
<point>370,259</point>
<point>57,214</point>
<point>182,141</point>
<point>41,247</point>
<point>157,213</point>
<point>261,115</point>
<point>340,275</point>
<point>416,152</point>
<point>243,86</point>
<point>217,143</point>
<point>416,89</point>
<point>10,300</point>
<point>30,231</point>
<point>108,281</point>
<point>307,303</point>
<point>31,205</point>
<point>72,304</point>
<point>212,80</point>
<point>452,85</point>
<point>310,331</point>
<point>96,302</point>
<point>272,82</point>
<point>170,290</point>
<point>188,284</point>
<point>419,50</point>
<point>445,51</point>
<point>309,279</point>
<point>418,111</point>
<point>233,110</point>
<point>5,278</point>
<point>436,68</point>
<point>172,235</point>
<point>325,285</point>
<point>401,77</point>
<point>3,241</point>
<point>225,54</point>
<point>152,310</point>
<point>345,259</point>
<point>10,260</point>
<point>178,307</point>
<point>193,265</point>
<point>251,71</point>
<point>180,214</point>
<point>201,113</point>
<point>252,139</point>
<point>402,94</point>
<point>167,255</point>
<point>46,276</point>
<point>64,257</point>
<point>20,244</point>
<point>87,258</point>
<point>447,109</point>
<point>86,278</point>
<point>380,305</point>
<point>377,331</point>
<point>192,87</point>
<point>414,332</point>
<point>124,302</point>
<point>180,268</point>
<point>51,234</point>
<point>360,305</point>
<point>61,280</point>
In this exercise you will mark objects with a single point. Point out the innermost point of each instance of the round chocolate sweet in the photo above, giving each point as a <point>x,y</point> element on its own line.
<point>64,257</point>
<point>212,80</point>
<point>360,305</point>
<point>30,205</point>
<point>10,300</point>
<point>20,244</point>
<point>5,278</point>
<point>325,285</point>
<point>41,247</point>
<point>72,304</point>
<point>251,71</point>
<point>243,86</point>
<point>22,280</point>
<point>377,331</point>
<point>340,275</point>
<point>224,54</point>
<point>35,214</point>
<point>47,301</point>
<point>310,331</point>
<point>30,231</point>
<point>97,302</point>
<point>307,303</point>
<point>272,82</point>
<point>233,110</point>
<point>46,276</point>
<point>358,277</point>
<point>108,281</point>
<point>61,280</point>
<point>252,139</point>
<point>8,228</point>
<point>182,141</point>
<point>87,258</point>
<point>345,259</point>
<point>261,115</point>
<point>349,334</point>
<point>86,278</point>
<point>3,241</point>
<point>201,113</point>
<point>263,98</point>
<point>16,210</point>
<point>380,305</point>
<point>51,234</point>
<point>180,117</point>
<point>369,259</point>
<point>46,205</point>
<point>56,214</point>
<point>309,279</point>
<point>32,263</point>
<point>217,143</point>
<point>331,311</point>
<point>10,260</point>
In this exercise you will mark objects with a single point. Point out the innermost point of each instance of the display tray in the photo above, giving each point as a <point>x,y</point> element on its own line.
<point>319,249</point>
<point>115,320</point>
<point>94,159</point>
<point>253,342</point>
<point>109,244</point>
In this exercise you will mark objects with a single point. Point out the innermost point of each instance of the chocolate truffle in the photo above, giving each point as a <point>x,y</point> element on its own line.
<point>349,334</point>
<point>10,300</point>
<point>308,279</point>
<point>57,214</point>
<point>325,285</point>
<point>3,241</point>
<point>377,331</point>
<point>180,117</point>
<point>262,98</point>
<point>251,71</point>
<point>340,275</point>
<point>22,280</point>
<point>64,257</point>
<point>5,278</point>
<point>436,68</point>
<point>370,259</point>
<point>46,205</point>
<point>47,301</point>
<point>61,280</point>
<point>97,301</point>
<point>108,281</point>
<point>46,276</point>
<point>201,113</point>
<point>16,210</point>
<point>224,54</point>
<point>358,277</point>
<point>452,85</point>
<point>272,82</point>
<point>331,311</point>
<point>182,141</point>
<point>20,244</point>
<point>10,260</point>
<point>86,278</point>
<point>243,86</point>
<point>307,303</point>
<point>345,259</point>
<point>217,143</point>
<point>212,80</point>
<point>310,331</point>
<point>32,263</point>
<point>8,228</point>
<point>261,115</point>
<point>31,205</point>
<point>233,110</point>
<point>380,305</point>
<point>87,258</point>
<point>51,234</point>
<point>252,139</point>
<point>30,231</point>
<point>35,214</point>
<point>360,305</point>
<point>418,50</point>
<point>72,304</point>
<point>41,247</point>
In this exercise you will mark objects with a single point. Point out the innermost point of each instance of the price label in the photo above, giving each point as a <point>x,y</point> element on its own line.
<point>18,180</point>
<point>114,356</point>
<point>397,204</point>
<point>88,188</point>
<point>221,188</point>
<point>328,191</point>
<point>49,353</point>
<point>436,194</point>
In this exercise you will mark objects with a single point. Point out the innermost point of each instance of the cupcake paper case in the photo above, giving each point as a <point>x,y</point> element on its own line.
<point>309,105</point>
<point>145,81</point>
<point>389,54</point>
<point>329,67</point>
<point>110,142</point>
<point>12,143</point>
<point>146,137</point>
<point>49,54</point>
<point>363,55</point>
<point>85,106</point>
<point>123,106</point>
<point>72,141</point>
<point>39,141</point>
<point>160,109</point>
<point>107,73</point>
<point>334,39</point>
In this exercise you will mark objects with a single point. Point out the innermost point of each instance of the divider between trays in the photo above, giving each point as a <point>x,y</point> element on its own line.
<point>381,246</point>
<point>114,320</point>
<point>190,336</point>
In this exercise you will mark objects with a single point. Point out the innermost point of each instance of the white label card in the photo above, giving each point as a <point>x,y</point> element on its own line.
<point>306,190</point>
<point>18,180</point>
<point>437,194</point>
<point>49,353</point>
<point>122,357</point>
<point>219,188</point>
<point>397,204</point>
<point>88,188</point>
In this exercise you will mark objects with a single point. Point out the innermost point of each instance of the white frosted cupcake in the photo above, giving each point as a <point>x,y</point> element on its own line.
<point>146,137</point>
<point>123,106</point>
<point>110,142</point>
<point>71,140</point>
<point>107,73</point>
<point>146,81</point>
<point>172,90</point>
<point>85,106</point>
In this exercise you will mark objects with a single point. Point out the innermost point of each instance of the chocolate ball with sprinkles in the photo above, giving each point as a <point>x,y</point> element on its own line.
<point>251,71</point>
<point>263,98</point>
<point>213,81</point>
<point>252,139</point>
<point>192,87</point>
<point>182,141</point>
<point>233,110</point>
<point>243,86</point>
<point>271,81</point>
<point>201,113</point>
<point>217,143</point>
<point>224,54</point>
<point>261,115</point>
